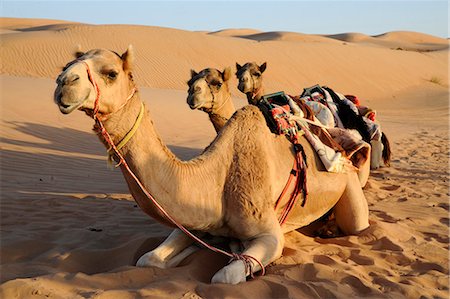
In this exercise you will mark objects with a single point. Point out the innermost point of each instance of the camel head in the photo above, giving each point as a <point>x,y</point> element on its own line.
<point>208,90</point>
<point>250,78</point>
<point>109,70</point>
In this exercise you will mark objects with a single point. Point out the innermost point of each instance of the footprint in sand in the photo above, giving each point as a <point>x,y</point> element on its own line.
<point>445,206</point>
<point>390,188</point>
<point>360,259</point>
<point>424,267</point>
<point>438,238</point>
<point>385,284</point>
<point>385,216</point>
<point>445,221</point>
<point>324,260</point>
<point>385,243</point>
<point>356,284</point>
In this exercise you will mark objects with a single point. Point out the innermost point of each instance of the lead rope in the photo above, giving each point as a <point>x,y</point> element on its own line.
<point>246,259</point>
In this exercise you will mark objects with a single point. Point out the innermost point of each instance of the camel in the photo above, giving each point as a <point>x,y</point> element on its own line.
<point>251,83</point>
<point>229,190</point>
<point>212,95</point>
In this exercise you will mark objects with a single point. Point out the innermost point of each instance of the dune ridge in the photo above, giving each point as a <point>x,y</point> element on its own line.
<point>397,40</point>
<point>70,229</point>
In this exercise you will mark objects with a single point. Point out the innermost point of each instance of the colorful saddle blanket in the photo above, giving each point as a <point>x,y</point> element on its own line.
<point>292,117</point>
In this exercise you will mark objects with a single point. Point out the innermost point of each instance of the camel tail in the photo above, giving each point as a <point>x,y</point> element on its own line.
<point>386,154</point>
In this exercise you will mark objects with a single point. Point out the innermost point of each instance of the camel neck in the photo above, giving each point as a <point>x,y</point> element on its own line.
<point>175,184</point>
<point>119,123</point>
<point>219,116</point>
<point>218,121</point>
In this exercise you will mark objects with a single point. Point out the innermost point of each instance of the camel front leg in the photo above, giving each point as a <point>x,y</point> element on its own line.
<point>265,247</point>
<point>170,252</point>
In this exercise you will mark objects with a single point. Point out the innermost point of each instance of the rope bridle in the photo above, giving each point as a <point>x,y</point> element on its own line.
<point>254,92</point>
<point>253,87</point>
<point>211,110</point>
<point>114,150</point>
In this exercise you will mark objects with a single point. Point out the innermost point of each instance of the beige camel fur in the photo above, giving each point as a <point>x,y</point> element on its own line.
<point>209,91</point>
<point>229,190</point>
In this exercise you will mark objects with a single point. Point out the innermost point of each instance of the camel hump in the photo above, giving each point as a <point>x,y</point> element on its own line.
<point>250,115</point>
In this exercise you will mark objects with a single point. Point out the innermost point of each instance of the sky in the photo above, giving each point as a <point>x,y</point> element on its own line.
<point>314,17</point>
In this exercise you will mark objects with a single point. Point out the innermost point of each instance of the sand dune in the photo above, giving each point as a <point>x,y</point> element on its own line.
<point>69,228</point>
<point>22,23</point>
<point>290,65</point>
<point>397,40</point>
<point>412,37</point>
<point>234,32</point>
<point>15,25</point>
<point>350,37</point>
<point>288,36</point>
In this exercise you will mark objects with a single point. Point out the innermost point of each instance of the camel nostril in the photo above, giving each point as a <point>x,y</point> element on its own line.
<point>73,79</point>
<point>68,80</point>
<point>197,89</point>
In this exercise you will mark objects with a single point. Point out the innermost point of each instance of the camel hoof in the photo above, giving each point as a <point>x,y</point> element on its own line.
<point>234,273</point>
<point>150,260</point>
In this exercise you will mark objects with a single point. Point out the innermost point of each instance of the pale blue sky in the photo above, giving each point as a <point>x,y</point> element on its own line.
<point>322,17</point>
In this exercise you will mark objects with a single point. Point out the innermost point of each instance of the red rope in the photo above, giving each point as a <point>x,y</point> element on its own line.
<point>299,186</point>
<point>97,90</point>
<point>288,183</point>
<point>243,257</point>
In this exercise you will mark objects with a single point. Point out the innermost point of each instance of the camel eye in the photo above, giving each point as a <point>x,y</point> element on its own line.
<point>257,75</point>
<point>112,75</point>
<point>218,84</point>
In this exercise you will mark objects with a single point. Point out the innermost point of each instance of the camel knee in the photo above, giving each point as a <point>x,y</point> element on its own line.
<point>352,211</point>
<point>153,259</point>
<point>352,217</point>
<point>161,256</point>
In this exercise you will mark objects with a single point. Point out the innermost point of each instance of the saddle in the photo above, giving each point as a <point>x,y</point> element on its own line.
<point>275,108</point>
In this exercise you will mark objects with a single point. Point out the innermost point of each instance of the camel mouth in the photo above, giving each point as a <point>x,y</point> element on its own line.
<point>243,89</point>
<point>64,107</point>
<point>195,106</point>
<point>66,103</point>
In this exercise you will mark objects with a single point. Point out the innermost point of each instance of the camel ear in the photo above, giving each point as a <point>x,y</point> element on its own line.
<point>262,67</point>
<point>128,58</point>
<point>238,66</point>
<point>78,53</point>
<point>193,73</point>
<point>226,74</point>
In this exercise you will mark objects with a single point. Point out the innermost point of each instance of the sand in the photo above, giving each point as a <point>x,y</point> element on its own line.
<point>69,228</point>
